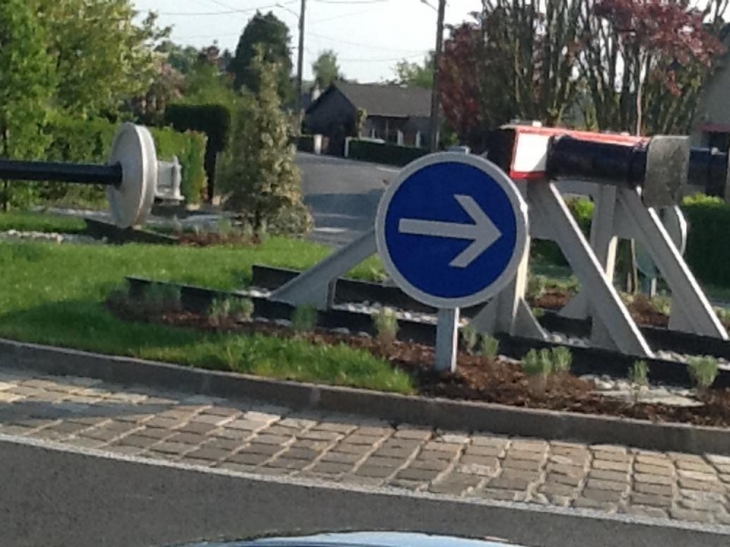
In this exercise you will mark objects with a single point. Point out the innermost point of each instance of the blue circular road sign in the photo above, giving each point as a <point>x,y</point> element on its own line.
<point>451,229</point>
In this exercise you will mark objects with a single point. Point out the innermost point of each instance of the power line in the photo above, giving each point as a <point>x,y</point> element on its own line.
<point>229,11</point>
<point>350,1</point>
<point>360,44</point>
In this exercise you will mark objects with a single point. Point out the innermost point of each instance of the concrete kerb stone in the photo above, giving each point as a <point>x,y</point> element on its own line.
<point>394,408</point>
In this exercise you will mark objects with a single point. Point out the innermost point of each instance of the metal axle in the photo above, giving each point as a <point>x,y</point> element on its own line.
<point>621,165</point>
<point>77,173</point>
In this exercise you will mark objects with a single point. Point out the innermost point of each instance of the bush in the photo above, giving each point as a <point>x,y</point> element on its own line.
<point>214,120</point>
<point>548,251</point>
<point>703,371</point>
<point>305,143</point>
<point>304,318</point>
<point>390,154</point>
<point>82,141</point>
<point>709,224</point>
<point>386,325</point>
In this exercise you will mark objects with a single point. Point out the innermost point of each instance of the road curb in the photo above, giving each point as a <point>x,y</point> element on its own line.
<point>430,412</point>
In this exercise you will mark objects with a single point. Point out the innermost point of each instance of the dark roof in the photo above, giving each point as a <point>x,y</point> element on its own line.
<point>387,100</point>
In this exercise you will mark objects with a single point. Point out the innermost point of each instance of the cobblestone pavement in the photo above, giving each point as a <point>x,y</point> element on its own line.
<point>252,437</point>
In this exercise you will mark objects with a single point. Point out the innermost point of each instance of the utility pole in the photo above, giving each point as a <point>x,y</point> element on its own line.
<point>300,59</point>
<point>434,122</point>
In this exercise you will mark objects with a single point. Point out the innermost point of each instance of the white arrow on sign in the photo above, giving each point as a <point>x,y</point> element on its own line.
<point>483,232</point>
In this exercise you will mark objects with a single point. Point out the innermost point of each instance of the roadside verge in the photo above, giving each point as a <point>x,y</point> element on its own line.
<point>396,409</point>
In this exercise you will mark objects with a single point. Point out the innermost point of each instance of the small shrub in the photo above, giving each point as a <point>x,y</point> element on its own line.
<point>488,346</point>
<point>304,318</point>
<point>537,366</point>
<point>638,376</point>
<point>561,359</point>
<point>224,226</point>
<point>703,371</point>
<point>119,298</point>
<point>536,287</point>
<point>160,297</point>
<point>470,337</point>
<point>241,309</point>
<point>219,311</point>
<point>177,227</point>
<point>663,305</point>
<point>723,314</point>
<point>386,325</point>
<point>538,312</point>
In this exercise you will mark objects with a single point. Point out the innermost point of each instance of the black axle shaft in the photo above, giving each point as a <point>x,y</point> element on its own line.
<point>78,173</point>
<point>618,164</point>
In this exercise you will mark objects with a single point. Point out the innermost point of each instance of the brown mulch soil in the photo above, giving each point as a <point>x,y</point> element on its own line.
<point>477,378</point>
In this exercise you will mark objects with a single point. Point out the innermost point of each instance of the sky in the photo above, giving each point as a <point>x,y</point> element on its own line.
<point>369,36</point>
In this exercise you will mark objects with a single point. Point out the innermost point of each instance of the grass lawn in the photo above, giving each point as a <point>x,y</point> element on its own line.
<point>53,294</point>
<point>41,222</point>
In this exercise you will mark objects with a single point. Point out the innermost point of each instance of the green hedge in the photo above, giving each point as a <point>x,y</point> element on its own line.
<point>90,142</point>
<point>709,225</point>
<point>212,119</point>
<point>389,154</point>
<point>305,143</point>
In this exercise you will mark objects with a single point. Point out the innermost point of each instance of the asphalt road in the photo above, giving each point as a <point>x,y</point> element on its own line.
<point>343,195</point>
<point>64,499</point>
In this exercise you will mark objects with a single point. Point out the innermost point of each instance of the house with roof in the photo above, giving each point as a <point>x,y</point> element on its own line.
<point>393,113</point>
<point>711,127</point>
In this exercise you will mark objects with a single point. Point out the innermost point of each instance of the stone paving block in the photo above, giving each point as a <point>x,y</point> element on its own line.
<point>434,446</point>
<point>281,431</point>
<point>257,416</point>
<point>653,479</point>
<point>658,489</point>
<point>532,476</point>
<point>690,515</point>
<point>228,433</point>
<point>697,505</point>
<point>171,448</point>
<point>248,458</point>
<point>164,423</point>
<point>137,441</point>
<point>300,454</point>
<point>601,474</point>
<point>272,439</point>
<point>557,489</point>
<point>452,438</point>
<point>610,465</point>
<point>154,432</point>
<point>225,444</point>
<point>489,461</point>
<point>722,468</point>
<point>568,480</point>
<point>528,446</point>
<point>697,476</point>
<point>403,444</point>
<point>700,467</point>
<point>331,468</point>
<point>703,496</point>
<point>342,457</point>
<point>84,442</point>
<point>654,461</point>
<point>208,453</point>
<point>579,460</point>
<point>188,438</point>
<point>422,475</point>
<point>613,448</point>
<point>69,428</point>
<point>375,471</point>
<point>494,451</point>
<point>100,434</point>
<point>513,483</point>
<point>499,494</point>
<point>384,461</point>
<point>647,511</point>
<point>359,480</point>
<point>285,463</point>
<point>264,449</point>
<point>436,455</point>
<point>223,411</point>
<point>489,440</point>
<point>569,470</point>
<point>320,435</point>
<point>413,434</point>
<point>612,496</point>
<point>196,428</point>
<point>434,465</point>
<point>524,465</point>
<point>237,467</point>
<point>476,469</point>
<point>654,469</point>
<point>337,427</point>
<point>347,448</point>
<point>616,457</point>
<point>399,453</point>
<point>690,484</point>
<point>406,484</point>
<point>375,431</point>
<point>362,440</point>
<point>125,449</point>
<point>590,503</point>
<point>6,397</point>
<point>607,485</point>
<point>529,456</point>
<point>650,499</point>
<point>453,486</point>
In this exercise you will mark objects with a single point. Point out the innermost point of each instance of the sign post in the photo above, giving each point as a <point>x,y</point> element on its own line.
<point>451,230</point>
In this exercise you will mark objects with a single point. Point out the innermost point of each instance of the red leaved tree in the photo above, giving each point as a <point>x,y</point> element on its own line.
<point>516,60</point>
<point>640,54</point>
